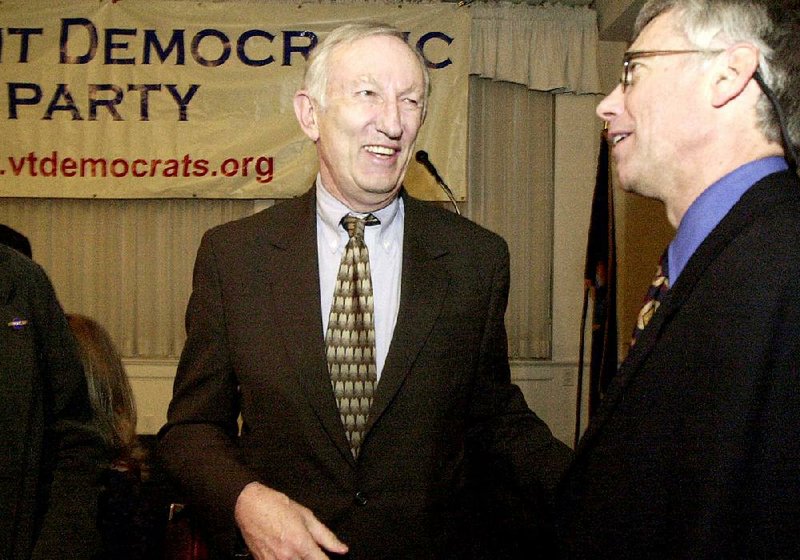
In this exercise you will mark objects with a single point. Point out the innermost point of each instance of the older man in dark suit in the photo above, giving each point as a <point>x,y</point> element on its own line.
<point>384,463</point>
<point>695,451</point>
<point>50,451</point>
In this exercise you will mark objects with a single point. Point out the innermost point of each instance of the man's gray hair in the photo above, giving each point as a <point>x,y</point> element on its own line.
<point>317,72</point>
<point>771,25</point>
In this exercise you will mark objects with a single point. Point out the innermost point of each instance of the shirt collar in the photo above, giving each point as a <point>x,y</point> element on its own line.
<point>713,204</point>
<point>331,211</point>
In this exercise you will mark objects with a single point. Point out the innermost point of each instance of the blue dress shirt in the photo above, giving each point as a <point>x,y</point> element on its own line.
<point>711,206</point>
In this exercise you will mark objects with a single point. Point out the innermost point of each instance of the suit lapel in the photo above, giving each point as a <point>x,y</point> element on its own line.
<point>423,289</point>
<point>754,204</point>
<point>630,367</point>
<point>297,308</point>
<point>295,293</point>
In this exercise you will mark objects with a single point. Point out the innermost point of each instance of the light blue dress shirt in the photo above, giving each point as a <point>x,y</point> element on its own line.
<point>708,210</point>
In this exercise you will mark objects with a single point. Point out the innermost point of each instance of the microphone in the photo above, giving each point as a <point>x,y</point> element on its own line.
<point>422,158</point>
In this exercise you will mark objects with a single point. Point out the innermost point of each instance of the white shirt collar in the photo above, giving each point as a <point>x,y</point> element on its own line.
<point>331,211</point>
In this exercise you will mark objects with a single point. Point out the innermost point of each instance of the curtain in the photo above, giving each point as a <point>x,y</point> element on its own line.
<point>511,193</point>
<point>128,263</point>
<point>547,48</point>
<point>517,47</point>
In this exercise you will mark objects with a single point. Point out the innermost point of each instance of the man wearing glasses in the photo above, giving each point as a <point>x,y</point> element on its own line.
<point>695,451</point>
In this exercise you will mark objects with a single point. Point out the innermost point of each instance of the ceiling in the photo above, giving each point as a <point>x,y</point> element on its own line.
<point>538,2</point>
<point>614,17</point>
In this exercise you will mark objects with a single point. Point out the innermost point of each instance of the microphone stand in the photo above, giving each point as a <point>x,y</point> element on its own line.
<point>422,157</point>
<point>449,194</point>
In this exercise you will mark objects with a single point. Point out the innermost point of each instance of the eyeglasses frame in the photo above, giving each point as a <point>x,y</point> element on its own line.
<point>630,56</point>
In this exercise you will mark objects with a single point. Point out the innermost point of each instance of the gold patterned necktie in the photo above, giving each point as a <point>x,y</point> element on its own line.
<point>652,299</point>
<point>350,337</point>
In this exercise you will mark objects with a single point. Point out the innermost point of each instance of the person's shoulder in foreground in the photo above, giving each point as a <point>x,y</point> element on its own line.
<point>53,452</point>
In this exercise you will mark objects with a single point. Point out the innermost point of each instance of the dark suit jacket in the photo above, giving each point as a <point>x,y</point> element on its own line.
<point>444,407</point>
<point>50,453</point>
<point>695,453</point>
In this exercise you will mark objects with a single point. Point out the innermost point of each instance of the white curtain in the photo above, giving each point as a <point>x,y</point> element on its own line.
<point>516,48</point>
<point>126,263</point>
<point>511,193</point>
<point>547,48</point>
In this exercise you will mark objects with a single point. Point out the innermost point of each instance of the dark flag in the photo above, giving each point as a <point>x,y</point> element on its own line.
<point>600,284</point>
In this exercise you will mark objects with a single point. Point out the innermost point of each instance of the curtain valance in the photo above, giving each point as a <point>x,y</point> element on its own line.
<point>547,48</point>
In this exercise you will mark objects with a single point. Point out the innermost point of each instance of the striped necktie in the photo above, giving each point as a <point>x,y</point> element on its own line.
<point>652,299</point>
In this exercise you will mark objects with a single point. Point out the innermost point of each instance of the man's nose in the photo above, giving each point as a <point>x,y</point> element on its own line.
<point>612,104</point>
<point>389,120</point>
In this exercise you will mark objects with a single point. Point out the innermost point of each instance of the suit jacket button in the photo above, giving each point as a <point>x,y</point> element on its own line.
<point>361,498</point>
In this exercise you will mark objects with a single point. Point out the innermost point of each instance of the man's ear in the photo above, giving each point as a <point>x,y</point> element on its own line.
<point>733,71</point>
<point>306,113</point>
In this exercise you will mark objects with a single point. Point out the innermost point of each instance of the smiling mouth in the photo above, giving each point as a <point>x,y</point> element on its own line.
<point>381,150</point>
<point>617,138</point>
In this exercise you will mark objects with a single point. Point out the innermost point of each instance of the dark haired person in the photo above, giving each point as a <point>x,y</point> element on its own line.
<point>51,453</point>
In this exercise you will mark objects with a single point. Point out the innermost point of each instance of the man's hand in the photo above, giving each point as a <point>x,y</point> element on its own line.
<point>275,527</point>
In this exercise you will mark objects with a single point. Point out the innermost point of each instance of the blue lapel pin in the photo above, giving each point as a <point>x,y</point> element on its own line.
<point>16,323</point>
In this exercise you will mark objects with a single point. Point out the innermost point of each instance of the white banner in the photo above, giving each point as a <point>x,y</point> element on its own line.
<point>179,99</point>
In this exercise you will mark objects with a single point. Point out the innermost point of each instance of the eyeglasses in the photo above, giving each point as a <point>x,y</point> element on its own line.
<point>626,82</point>
<point>630,56</point>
